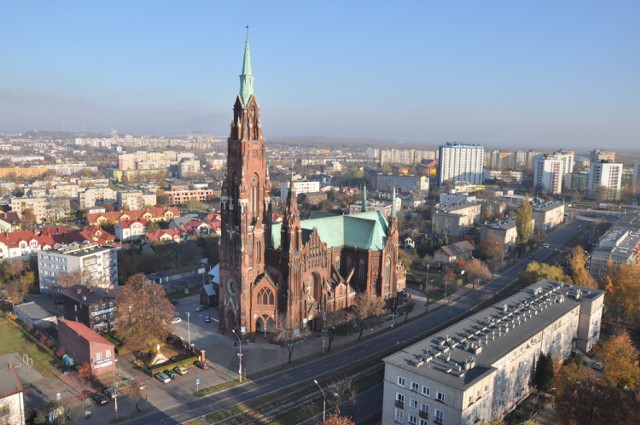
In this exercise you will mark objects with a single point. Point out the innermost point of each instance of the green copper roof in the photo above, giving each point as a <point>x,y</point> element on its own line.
<point>246,78</point>
<point>366,230</point>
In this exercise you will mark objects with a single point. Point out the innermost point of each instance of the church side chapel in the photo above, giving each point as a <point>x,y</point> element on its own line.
<point>298,269</point>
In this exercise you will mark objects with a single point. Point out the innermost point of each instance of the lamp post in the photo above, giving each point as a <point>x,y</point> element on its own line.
<point>115,388</point>
<point>426,285</point>
<point>239,354</point>
<point>189,329</point>
<point>324,401</point>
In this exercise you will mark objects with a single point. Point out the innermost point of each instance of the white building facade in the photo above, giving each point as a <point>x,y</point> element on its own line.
<point>480,368</point>
<point>605,177</point>
<point>460,163</point>
<point>97,264</point>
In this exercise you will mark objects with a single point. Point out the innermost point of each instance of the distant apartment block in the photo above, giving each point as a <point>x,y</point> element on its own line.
<point>552,172</point>
<point>598,155</point>
<point>189,168</point>
<point>620,245</point>
<point>605,180</point>
<point>504,175</point>
<point>92,196</point>
<point>135,199</point>
<point>401,182</point>
<point>548,215</point>
<point>405,156</point>
<point>45,209</point>
<point>384,207</point>
<point>459,162</point>
<point>300,186</point>
<point>480,368</point>
<point>97,265</point>
<point>455,220</point>
<point>179,197</point>
<point>503,230</point>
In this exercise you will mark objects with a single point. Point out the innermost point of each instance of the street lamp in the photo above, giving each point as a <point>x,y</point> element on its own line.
<point>426,285</point>
<point>239,354</point>
<point>189,328</point>
<point>115,388</point>
<point>324,401</point>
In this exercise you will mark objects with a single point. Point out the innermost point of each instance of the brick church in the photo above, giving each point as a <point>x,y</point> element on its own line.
<point>298,269</point>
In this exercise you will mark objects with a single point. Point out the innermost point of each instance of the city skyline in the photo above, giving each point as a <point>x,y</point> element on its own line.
<point>523,76</point>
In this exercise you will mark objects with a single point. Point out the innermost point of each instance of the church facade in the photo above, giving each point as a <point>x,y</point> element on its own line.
<point>297,270</point>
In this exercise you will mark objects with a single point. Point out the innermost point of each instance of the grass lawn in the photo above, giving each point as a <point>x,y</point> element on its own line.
<point>14,339</point>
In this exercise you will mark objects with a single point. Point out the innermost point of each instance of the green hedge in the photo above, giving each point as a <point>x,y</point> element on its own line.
<point>184,363</point>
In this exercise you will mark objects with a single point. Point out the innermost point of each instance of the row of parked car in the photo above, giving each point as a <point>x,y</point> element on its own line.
<point>168,374</point>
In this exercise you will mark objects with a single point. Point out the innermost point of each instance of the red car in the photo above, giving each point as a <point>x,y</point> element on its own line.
<point>201,365</point>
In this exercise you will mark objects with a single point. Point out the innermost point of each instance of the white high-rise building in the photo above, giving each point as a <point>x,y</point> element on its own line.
<point>605,180</point>
<point>547,174</point>
<point>636,176</point>
<point>460,162</point>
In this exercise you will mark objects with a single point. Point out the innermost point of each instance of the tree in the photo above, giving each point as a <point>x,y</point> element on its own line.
<point>492,250</point>
<point>152,226</point>
<point>332,323</point>
<point>135,393</point>
<point>84,371</point>
<point>366,310</point>
<point>543,378</point>
<point>620,358</point>
<point>287,335</point>
<point>622,284</point>
<point>537,271</point>
<point>577,264</point>
<point>524,221</point>
<point>406,308</point>
<point>334,418</point>
<point>345,394</point>
<point>13,267</point>
<point>477,270</point>
<point>143,314</point>
<point>28,218</point>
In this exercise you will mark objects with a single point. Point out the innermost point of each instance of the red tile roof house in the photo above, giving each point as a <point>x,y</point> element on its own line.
<point>85,346</point>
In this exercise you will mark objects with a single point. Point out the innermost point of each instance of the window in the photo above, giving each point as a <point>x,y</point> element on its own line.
<point>98,356</point>
<point>412,419</point>
<point>399,415</point>
<point>414,386</point>
<point>265,297</point>
<point>439,416</point>
<point>413,403</point>
<point>423,422</point>
<point>440,396</point>
<point>400,400</point>
<point>401,381</point>
<point>107,354</point>
<point>426,392</point>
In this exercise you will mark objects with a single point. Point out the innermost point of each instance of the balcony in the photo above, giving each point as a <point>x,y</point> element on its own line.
<point>400,404</point>
<point>423,415</point>
<point>438,421</point>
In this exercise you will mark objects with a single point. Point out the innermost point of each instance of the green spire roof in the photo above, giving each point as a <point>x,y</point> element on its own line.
<point>246,78</point>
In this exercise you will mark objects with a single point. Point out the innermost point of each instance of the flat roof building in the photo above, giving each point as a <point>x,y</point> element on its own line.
<point>480,368</point>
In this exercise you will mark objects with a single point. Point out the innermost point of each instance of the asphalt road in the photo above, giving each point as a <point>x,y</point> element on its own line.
<point>190,408</point>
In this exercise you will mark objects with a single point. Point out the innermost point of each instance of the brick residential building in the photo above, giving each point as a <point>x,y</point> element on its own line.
<point>84,345</point>
<point>93,307</point>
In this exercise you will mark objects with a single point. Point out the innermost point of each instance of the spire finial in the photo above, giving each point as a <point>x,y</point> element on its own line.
<point>246,78</point>
<point>364,197</point>
<point>393,204</point>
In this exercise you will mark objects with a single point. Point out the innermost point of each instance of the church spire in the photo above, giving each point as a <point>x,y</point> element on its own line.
<point>393,204</point>
<point>246,78</point>
<point>364,198</point>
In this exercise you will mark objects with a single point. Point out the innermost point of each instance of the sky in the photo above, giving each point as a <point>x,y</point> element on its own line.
<point>498,73</point>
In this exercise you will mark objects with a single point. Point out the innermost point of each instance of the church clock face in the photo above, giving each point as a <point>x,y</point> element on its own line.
<point>254,180</point>
<point>231,286</point>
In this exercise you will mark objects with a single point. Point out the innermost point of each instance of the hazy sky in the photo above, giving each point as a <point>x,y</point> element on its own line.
<point>511,73</point>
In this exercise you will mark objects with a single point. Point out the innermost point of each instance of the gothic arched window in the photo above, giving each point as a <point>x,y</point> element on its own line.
<point>265,297</point>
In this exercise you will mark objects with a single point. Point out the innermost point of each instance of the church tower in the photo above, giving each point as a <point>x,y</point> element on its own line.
<point>244,203</point>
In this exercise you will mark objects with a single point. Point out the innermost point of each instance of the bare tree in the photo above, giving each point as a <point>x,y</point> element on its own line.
<point>366,310</point>
<point>492,249</point>
<point>477,270</point>
<point>345,394</point>
<point>332,323</point>
<point>406,308</point>
<point>288,335</point>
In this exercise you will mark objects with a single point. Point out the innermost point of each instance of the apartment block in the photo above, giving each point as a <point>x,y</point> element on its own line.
<point>480,368</point>
<point>96,265</point>
<point>135,199</point>
<point>459,162</point>
<point>605,181</point>
<point>300,186</point>
<point>455,220</point>
<point>548,215</point>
